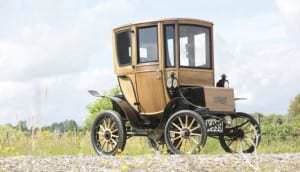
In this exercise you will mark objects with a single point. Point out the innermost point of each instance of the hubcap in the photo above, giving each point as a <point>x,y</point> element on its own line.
<point>240,133</point>
<point>185,133</point>
<point>107,135</point>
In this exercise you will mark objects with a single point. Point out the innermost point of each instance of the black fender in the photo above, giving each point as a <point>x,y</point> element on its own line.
<point>126,111</point>
<point>168,111</point>
<point>180,103</point>
<point>170,107</point>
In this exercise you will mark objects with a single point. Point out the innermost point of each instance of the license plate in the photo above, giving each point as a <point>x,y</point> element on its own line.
<point>214,125</point>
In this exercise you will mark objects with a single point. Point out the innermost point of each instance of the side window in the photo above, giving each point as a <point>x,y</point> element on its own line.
<point>147,44</point>
<point>123,39</point>
<point>169,45</point>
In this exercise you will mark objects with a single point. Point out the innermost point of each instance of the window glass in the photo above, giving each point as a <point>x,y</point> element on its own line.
<point>123,39</point>
<point>169,45</point>
<point>147,41</point>
<point>194,46</point>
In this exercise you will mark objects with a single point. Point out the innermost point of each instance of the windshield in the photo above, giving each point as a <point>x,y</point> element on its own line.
<point>194,46</point>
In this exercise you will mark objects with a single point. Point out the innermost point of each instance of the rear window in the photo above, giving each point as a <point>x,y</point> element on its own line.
<point>123,39</point>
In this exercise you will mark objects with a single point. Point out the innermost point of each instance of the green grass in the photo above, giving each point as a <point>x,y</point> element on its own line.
<point>48,144</point>
<point>273,145</point>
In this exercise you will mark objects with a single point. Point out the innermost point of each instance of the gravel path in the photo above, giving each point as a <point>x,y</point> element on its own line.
<point>226,162</point>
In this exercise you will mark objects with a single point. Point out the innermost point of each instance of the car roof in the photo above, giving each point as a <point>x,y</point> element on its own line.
<point>167,19</point>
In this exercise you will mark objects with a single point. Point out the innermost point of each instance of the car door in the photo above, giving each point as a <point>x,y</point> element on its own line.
<point>148,71</point>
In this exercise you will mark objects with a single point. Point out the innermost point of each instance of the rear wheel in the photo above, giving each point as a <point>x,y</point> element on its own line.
<point>241,135</point>
<point>108,133</point>
<point>185,132</point>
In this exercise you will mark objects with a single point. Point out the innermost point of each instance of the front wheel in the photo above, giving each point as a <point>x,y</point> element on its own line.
<point>242,135</point>
<point>108,133</point>
<point>185,132</point>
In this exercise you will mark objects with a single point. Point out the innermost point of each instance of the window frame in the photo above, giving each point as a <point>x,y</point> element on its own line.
<point>138,44</point>
<point>117,50</point>
<point>209,49</point>
<point>166,44</point>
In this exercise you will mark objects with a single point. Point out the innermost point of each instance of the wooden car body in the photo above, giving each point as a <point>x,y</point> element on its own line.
<point>146,53</point>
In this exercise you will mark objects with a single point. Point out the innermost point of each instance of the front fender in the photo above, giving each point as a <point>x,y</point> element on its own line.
<point>125,109</point>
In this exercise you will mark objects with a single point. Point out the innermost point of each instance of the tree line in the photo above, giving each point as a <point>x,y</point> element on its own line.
<point>56,127</point>
<point>273,125</point>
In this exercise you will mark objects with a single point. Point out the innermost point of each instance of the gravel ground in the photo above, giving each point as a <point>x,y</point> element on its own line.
<point>226,162</point>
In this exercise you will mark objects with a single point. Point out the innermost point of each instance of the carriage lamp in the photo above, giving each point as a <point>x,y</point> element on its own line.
<point>172,82</point>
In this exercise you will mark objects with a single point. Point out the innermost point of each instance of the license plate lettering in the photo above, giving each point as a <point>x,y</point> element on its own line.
<point>214,125</point>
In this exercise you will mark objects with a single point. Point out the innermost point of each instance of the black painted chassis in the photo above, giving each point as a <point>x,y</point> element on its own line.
<point>155,129</point>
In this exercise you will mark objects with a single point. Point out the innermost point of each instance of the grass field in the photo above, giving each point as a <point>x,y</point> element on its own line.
<point>13,143</point>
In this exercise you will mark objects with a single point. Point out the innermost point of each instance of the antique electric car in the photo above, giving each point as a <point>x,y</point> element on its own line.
<point>165,70</point>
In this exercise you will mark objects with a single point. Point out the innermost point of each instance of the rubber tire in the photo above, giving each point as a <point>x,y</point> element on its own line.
<point>116,117</point>
<point>198,119</point>
<point>251,148</point>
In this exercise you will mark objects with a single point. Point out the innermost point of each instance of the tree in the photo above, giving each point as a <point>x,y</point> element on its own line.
<point>22,126</point>
<point>69,125</point>
<point>294,109</point>
<point>99,105</point>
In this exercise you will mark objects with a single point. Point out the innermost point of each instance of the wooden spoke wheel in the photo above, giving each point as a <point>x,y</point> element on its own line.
<point>185,132</point>
<point>108,133</point>
<point>242,135</point>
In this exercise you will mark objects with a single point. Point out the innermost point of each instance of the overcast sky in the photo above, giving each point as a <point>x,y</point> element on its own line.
<point>53,51</point>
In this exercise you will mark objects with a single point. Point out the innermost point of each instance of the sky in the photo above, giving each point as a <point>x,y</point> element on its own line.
<point>53,51</point>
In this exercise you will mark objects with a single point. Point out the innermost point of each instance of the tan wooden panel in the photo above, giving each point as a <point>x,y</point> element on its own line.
<point>146,67</point>
<point>219,99</point>
<point>128,90</point>
<point>196,77</point>
<point>151,92</point>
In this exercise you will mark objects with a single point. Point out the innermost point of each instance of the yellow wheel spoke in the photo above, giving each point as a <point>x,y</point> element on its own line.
<point>113,141</point>
<point>112,125</point>
<point>195,134</point>
<point>115,130</point>
<point>179,143</point>
<point>176,126</point>
<point>190,145</point>
<point>100,133</point>
<point>194,140</point>
<point>105,142</point>
<point>102,128</point>
<point>176,138</point>
<point>176,132</point>
<point>115,136</point>
<point>104,123</point>
<point>191,124</point>
<point>180,121</point>
<point>186,120</point>
<point>195,128</point>
<point>108,122</point>
<point>107,146</point>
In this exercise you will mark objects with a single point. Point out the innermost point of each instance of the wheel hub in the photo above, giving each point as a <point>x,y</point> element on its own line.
<point>185,133</point>
<point>240,133</point>
<point>107,135</point>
